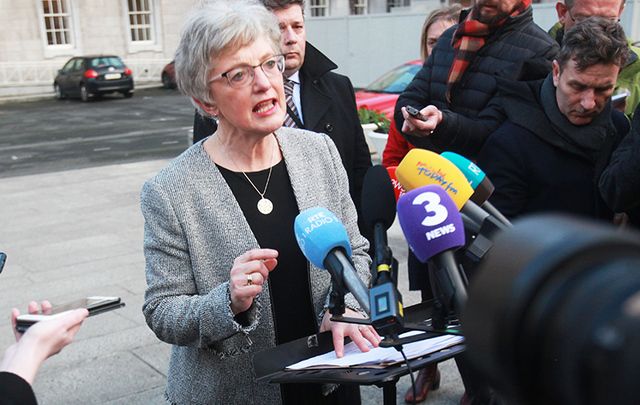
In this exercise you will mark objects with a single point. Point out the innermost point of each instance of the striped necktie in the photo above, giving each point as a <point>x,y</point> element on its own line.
<point>288,92</point>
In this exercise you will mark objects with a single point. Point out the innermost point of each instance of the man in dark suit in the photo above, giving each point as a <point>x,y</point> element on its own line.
<point>317,98</point>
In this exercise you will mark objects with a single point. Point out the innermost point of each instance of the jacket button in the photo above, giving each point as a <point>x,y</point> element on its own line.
<point>328,127</point>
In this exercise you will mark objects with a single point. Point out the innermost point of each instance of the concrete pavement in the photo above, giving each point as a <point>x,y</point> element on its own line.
<point>77,233</point>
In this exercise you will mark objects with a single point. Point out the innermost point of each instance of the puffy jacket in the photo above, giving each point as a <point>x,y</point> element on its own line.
<point>519,49</point>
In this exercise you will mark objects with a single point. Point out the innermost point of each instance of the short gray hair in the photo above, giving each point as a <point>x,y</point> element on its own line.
<point>216,27</point>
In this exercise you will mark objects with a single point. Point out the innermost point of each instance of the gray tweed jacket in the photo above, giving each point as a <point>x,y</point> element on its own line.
<point>194,229</point>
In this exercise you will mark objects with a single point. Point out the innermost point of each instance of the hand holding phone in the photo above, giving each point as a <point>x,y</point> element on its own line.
<point>95,305</point>
<point>415,113</point>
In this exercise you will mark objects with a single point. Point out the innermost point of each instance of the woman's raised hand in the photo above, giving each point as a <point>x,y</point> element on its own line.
<point>250,271</point>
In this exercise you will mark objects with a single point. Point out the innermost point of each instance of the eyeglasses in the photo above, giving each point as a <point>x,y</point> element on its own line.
<point>244,75</point>
<point>581,18</point>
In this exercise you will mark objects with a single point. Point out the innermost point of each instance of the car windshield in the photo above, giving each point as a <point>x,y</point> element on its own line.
<point>394,81</point>
<point>106,61</point>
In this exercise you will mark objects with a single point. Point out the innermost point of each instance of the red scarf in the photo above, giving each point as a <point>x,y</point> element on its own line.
<point>470,36</point>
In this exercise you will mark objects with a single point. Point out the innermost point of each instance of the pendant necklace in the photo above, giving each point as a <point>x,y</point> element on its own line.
<point>265,206</point>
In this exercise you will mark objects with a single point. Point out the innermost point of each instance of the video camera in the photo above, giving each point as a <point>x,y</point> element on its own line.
<point>553,315</point>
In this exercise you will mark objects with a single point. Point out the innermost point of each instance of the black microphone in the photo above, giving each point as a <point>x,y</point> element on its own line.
<point>379,212</point>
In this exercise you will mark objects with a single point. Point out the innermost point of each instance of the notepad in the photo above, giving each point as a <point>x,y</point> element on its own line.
<point>378,357</point>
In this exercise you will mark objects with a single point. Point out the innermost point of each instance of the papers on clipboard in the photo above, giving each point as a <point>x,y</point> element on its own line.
<point>378,357</point>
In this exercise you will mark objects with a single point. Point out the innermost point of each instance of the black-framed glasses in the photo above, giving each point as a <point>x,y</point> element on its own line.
<point>243,75</point>
<point>580,18</point>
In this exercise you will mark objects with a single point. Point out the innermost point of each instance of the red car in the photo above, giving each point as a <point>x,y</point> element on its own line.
<point>381,95</point>
<point>169,76</point>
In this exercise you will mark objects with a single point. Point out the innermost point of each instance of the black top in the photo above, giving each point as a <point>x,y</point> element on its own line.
<point>292,309</point>
<point>289,284</point>
<point>15,391</point>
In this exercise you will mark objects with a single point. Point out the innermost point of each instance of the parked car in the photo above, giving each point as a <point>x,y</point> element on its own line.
<point>381,95</point>
<point>92,76</point>
<point>169,76</point>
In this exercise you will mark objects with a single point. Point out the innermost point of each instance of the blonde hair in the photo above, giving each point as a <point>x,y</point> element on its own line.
<point>451,13</point>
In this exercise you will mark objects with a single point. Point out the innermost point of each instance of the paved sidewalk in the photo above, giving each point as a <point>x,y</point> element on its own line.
<point>77,233</point>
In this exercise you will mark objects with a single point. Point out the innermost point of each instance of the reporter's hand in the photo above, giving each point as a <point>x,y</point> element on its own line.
<point>361,335</point>
<point>41,341</point>
<point>417,127</point>
<point>33,308</point>
<point>254,264</point>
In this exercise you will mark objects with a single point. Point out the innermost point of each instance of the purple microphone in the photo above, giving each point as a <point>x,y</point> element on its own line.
<point>433,228</point>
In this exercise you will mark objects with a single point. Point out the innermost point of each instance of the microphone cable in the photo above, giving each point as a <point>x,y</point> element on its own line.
<point>406,361</point>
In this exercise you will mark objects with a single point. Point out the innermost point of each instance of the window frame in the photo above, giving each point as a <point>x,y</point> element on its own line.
<point>324,7</point>
<point>362,5</point>
<point>74,39</point>
<point>153,43</point>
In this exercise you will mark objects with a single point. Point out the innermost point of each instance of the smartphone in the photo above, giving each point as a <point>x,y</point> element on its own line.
<point>620,99</point>
<point>415,113</point>
<point>95,305</point>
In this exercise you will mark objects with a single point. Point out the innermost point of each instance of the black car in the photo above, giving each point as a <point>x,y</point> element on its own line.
<point>90,76</point>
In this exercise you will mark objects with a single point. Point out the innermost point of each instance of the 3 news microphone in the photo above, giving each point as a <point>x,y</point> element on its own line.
<point>378,212</point>
<point>325,243</point>
<point>480,183</point>
<point>433,228</point>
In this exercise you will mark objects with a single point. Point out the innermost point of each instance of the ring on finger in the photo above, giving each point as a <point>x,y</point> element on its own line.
<point>250,279</point>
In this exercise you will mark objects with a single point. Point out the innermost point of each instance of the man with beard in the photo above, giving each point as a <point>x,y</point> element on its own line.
<point>560,132</point>
<point>494,39</point>
<point>570,12</point>
<point>317,98</point>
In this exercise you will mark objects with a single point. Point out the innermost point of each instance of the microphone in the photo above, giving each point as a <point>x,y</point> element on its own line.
<point>421,167</point>
<point>325,243</point>
<point>433,227</point>
<point>379,212</point>
<point>482,186</point>
<point>397,187</point>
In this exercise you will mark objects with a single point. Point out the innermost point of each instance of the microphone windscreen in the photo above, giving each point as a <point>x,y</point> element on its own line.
<point>470,170</point>
<point>318,231</point>
<point>421,167</point>
<point>430,221</point>
<point>378,198</point>
<point>398,191</point>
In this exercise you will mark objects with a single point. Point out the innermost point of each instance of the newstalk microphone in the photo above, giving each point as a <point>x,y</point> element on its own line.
<point>325,243</point>
<point>482,186</point>
<point>433,227</point>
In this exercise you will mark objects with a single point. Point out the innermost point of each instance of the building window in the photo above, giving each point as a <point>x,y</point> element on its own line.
<point>140,18</point>
<point>319,8</point>
<point>358,7</point>
<point>397,3</point>
<point>57,22</point>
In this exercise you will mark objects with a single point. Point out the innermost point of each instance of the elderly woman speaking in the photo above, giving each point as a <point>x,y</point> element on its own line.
<point>225,276</point>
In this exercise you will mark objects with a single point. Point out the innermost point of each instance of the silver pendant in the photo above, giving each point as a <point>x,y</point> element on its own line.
<point>265,206</point>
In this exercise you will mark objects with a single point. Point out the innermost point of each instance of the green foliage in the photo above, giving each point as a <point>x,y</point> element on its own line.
<point>368,116</point>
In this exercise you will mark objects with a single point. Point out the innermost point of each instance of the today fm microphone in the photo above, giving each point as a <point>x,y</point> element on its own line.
<point>482,186</point>
<point>421,167</point>
<point>378,212</point>
<point>433,227</point>
<point>325,243</point>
